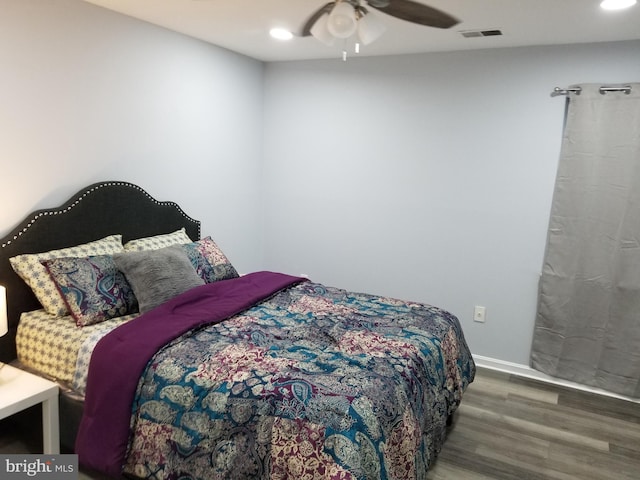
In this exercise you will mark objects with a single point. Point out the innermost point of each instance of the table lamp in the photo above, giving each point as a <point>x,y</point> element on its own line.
<point>4,325</point>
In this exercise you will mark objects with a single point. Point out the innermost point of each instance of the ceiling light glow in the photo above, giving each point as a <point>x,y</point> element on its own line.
<point>617,4</point>
<point>281,33</point>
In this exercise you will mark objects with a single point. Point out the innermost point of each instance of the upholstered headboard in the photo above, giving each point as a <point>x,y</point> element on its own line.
<point>99,210</point>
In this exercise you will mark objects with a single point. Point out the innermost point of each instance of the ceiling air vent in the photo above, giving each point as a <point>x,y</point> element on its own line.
<point>480,33</point>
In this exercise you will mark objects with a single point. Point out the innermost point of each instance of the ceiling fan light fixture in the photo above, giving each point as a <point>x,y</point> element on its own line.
<point>320,30</point>
<point>342,21</point>
<point>370,28</point>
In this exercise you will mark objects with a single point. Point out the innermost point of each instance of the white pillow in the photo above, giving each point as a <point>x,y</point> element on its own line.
<point>179,237</point>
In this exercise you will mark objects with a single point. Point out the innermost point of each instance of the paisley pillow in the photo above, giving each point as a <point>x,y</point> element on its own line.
<point>202,266</point>
<point>221,266</point>
<point>31,270</point>
<point>93,288</point>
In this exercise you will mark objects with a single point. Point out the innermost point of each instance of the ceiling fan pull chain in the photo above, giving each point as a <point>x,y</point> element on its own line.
<point>345,46</point>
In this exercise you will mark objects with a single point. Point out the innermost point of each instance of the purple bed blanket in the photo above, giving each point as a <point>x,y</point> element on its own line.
<point>120,357</point>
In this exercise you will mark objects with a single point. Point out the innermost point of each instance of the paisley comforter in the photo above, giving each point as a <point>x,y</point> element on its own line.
<point>309,382</point>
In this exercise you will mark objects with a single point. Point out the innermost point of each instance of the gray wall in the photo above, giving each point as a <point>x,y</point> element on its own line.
<point>427,177</point>
<point>88,95</point>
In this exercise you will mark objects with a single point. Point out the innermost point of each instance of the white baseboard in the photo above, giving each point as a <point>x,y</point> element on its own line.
<point>528,372</point>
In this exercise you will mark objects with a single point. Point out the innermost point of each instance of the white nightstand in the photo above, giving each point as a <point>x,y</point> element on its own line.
<point>20,390</point>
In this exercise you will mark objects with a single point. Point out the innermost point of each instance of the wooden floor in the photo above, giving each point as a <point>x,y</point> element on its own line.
<point>509,428</point>
<point>513,428</point>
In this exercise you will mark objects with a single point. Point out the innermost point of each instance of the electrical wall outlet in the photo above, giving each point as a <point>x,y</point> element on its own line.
<point>479,314</point>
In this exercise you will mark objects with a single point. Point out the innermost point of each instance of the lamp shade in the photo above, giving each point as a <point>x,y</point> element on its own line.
<point>342,22</point>
<point>4,325</point>
<point>321,32</point>
<point>370,28</point>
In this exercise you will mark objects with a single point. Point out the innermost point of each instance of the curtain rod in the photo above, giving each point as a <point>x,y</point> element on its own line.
<point>603,90</point>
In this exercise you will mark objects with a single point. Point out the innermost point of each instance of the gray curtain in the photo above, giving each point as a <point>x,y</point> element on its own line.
<point>587,326</point>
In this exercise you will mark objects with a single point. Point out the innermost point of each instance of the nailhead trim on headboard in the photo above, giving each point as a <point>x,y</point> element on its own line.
<point>88,192</point>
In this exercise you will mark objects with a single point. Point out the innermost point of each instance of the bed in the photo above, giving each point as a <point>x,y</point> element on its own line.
<point>172,365</point>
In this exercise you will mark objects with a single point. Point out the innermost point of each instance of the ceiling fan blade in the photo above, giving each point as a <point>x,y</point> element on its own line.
<point>306,30</point>
<point>417,13</point>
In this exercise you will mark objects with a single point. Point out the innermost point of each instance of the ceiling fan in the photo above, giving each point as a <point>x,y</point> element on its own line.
<point>340,19</point>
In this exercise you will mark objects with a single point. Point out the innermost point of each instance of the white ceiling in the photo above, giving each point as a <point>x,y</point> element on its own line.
<point>243,25</point>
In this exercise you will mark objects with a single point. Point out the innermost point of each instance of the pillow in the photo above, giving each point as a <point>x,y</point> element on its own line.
<point>158,275</point>
<point>221,267</point>
<point>202,266</point>
<point>158,241</point>
<point>29,268</point>
<point>93,288</point>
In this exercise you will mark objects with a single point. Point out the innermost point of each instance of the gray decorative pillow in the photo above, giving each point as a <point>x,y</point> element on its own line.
<point>158,275</point>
